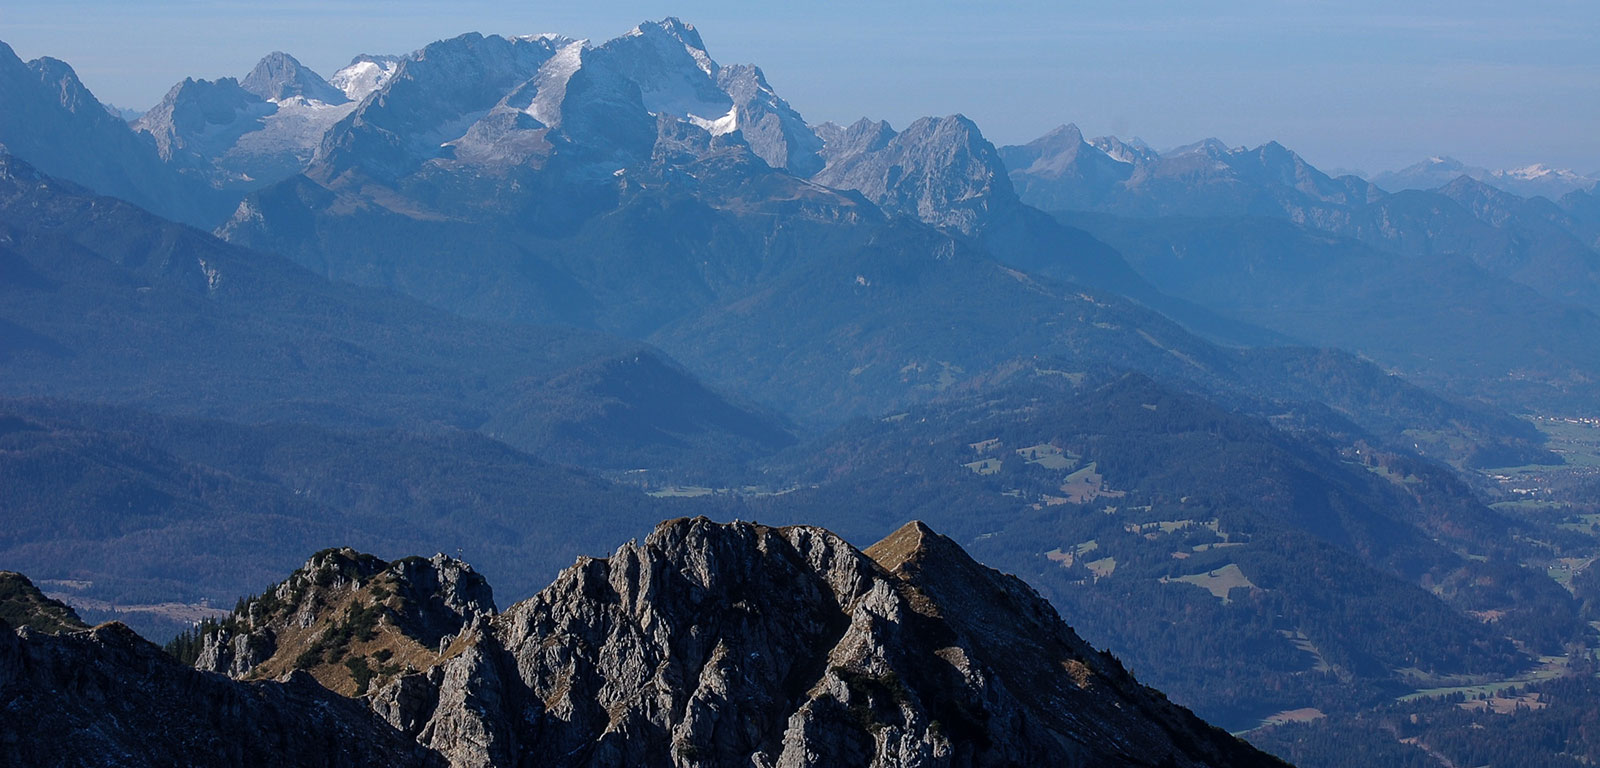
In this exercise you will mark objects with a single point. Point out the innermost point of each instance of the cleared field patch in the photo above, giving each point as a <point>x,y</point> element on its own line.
<point>985,446</point>
<point>1219,582</point>
<point>684,492</point>
<point>1073,554</point>
<point>1170,526</point>
<point>1580,523</point>
<point>1302,715</point>
<point>1299,639</point>
<point>1086,485</point>
<point>983,466</point>
<point>1504,705</point>
<point>1103,567</point>
<point>1075,378</point>
<point>1047,456</point>
<point>1550,668</point>
<point>1169,350</point>
<point>1393,477</point>
<point>1563,569</point>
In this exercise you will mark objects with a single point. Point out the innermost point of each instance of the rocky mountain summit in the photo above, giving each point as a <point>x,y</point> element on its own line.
<point>939,170</point>
<point>51,118</point>
<point>75,695</point>
<point>105,696</point>
<point>279,76</point>
<point>722,644</point>
<point>349,619</point>
<point>23,605</point>
<point>237,135</point>
<point>704,645</point>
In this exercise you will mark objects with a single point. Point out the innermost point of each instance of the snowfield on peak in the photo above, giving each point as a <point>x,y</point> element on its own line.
<point>364,75</point>
<point>723,125</point>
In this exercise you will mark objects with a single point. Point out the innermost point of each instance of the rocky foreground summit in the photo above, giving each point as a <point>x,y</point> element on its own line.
<point>704,645</point>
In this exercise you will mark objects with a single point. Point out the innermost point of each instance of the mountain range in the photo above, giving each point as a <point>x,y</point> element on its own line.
<point>1263,432</point>
<point>703,644</point>
<point>1535,180</point>
<point>1466,287</point>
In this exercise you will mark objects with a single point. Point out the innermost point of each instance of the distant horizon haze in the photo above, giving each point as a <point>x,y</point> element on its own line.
<point>1351,86</point>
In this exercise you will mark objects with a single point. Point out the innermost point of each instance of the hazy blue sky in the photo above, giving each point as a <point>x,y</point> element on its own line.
<point>1360,84</point>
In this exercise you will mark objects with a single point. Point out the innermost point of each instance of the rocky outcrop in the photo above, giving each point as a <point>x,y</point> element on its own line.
<point>774,130</point>
<point>244,134</point>
<point>106,697</point>
<point>704,645</point>
<point>1060,171</point>
<point>351,620</point>
<point>23,605</point>
<point>939,170</point>
<point>198,119</point>
<point>52,121</point>
<point>431,99</point>
<point>742,644</point>
<point>279,76</point>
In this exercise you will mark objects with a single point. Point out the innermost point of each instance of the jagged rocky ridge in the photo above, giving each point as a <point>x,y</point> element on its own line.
<point>54,121</point>
<point>75,695</point>
<point>740,644</point>
<point>238,135</point>
<point>1526,240</point>
<point>23,605</point>
<point>350,619</point>
<point>1314,256</point>
<point>105,696</point>
<point>596,186</point>
<point>939,170</point>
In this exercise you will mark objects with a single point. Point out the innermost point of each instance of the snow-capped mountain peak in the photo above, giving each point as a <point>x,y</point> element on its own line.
<point>1537,179</point>
<point>364,75</point>
<point>1540,171</point>
<point>674,73</point>
<point>685,34</point>
<point>554,38</point>
<point>1132,151</point>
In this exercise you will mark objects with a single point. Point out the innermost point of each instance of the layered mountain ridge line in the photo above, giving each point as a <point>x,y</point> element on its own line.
<point>704,644</point>
<point>594,225</point>
<point>253,337</point>
<point>510,147</point>
<point>1262,235</point>
<point>684,262</point>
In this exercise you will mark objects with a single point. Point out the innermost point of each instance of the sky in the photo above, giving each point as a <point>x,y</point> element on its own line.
<point>1351,85</point>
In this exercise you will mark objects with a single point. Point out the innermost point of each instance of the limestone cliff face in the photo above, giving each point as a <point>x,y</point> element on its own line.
<point>940,170</point>
<point>704,645</point>
<point>741,644</point>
